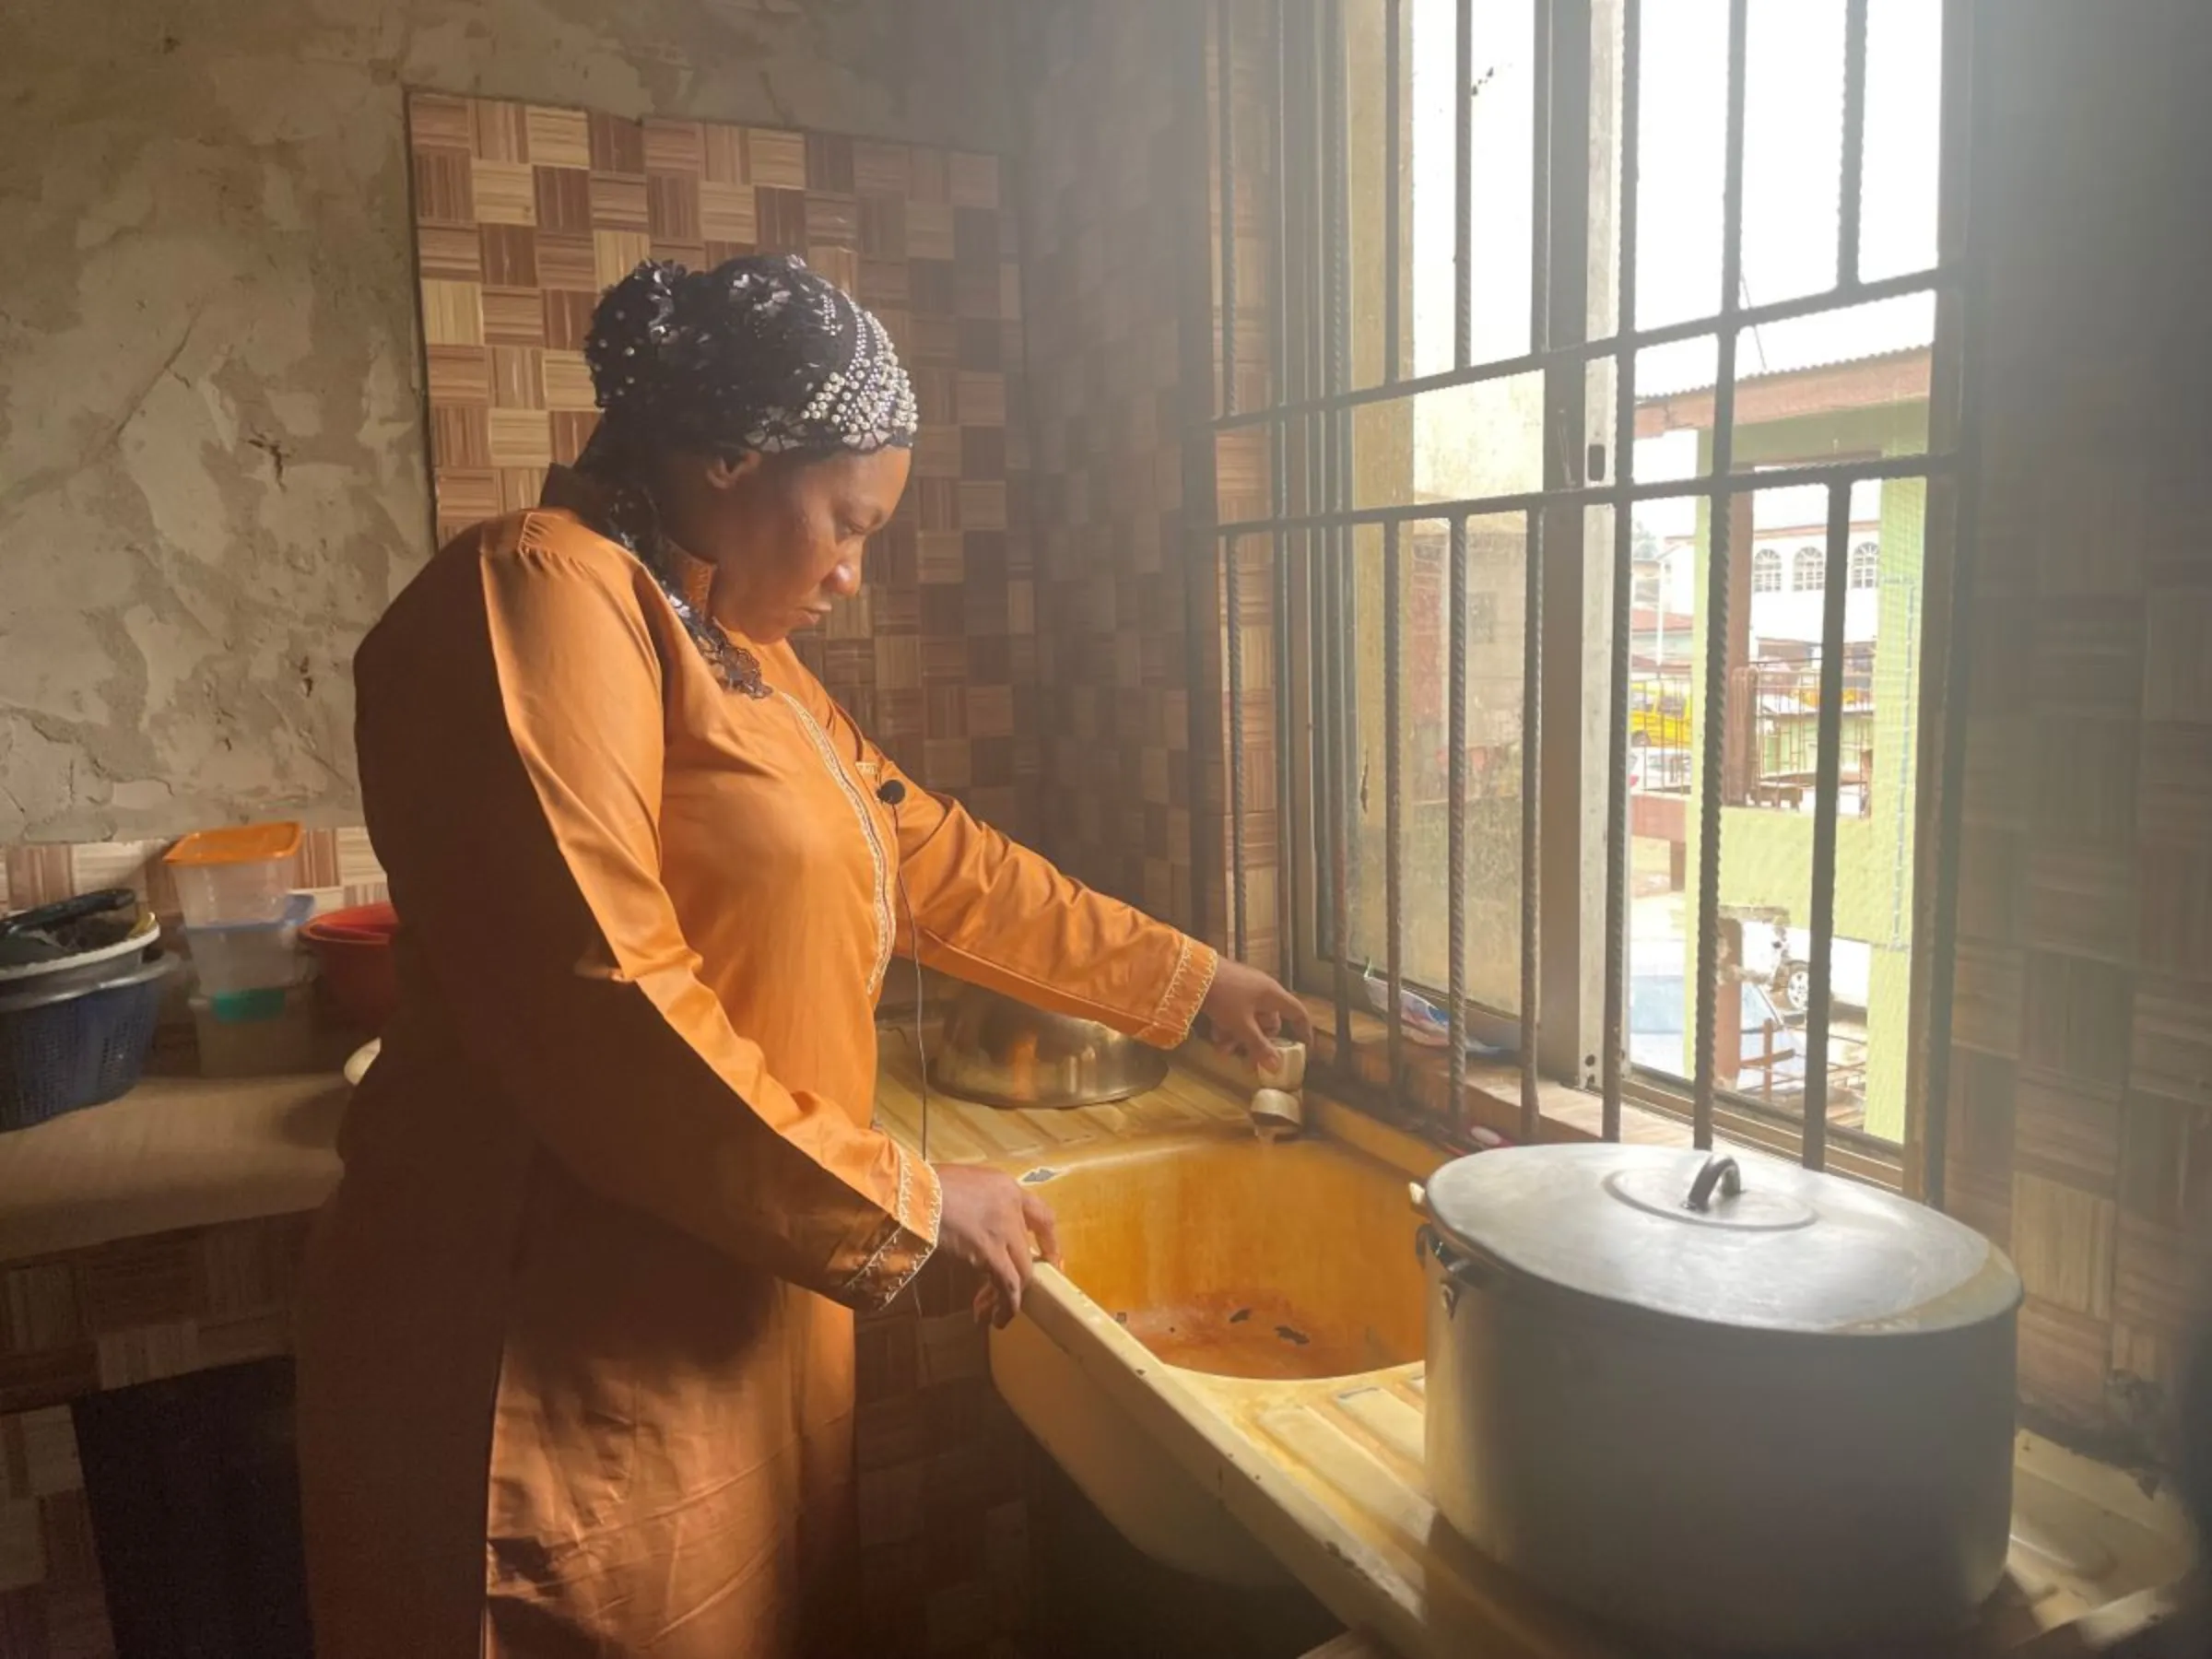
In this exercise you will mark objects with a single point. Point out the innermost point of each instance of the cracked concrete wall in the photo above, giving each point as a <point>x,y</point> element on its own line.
<point>211,460</point>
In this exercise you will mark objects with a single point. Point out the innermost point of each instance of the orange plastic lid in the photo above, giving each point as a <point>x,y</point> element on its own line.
<point>249,843</point>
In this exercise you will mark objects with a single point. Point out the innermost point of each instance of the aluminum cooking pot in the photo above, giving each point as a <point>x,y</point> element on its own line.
<point>1738,1405</point>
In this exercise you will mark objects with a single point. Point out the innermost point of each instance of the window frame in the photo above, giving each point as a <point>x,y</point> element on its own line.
<point>1586,424</point>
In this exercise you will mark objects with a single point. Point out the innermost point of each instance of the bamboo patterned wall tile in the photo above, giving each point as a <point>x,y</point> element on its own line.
<point>120,1314</point>
<point>1110,163</point>
<point>525,213</point>
<point>2081,1127</point>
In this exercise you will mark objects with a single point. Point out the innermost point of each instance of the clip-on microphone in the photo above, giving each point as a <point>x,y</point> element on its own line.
<point>892,792</point>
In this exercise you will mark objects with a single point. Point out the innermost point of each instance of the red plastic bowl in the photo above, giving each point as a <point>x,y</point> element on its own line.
<point>360,974</point>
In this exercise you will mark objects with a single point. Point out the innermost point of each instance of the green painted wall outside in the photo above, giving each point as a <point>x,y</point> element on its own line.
<point>1767,857</point>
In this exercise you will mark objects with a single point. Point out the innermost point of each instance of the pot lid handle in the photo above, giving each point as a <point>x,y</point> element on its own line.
<point>1719,1171</point>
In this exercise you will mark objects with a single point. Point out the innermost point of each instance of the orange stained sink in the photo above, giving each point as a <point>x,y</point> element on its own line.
<point>1218,1259</point>
<point>1287,1443</point>
<point>1226,1255</point>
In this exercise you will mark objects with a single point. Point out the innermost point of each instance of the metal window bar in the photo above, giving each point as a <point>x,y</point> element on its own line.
<point>1278,496</point>
<point>1225,173</point>
<point>1455,820</point>
<point>1539,241</point>
<point>1532,862</point>
<point>1826,798</point>
<point>1394,168</point>
<point>1232,575</point>
<point>1337,236</point>
<point>1718,533</point>
<point>1615,1057</point>
<point>1307,187</point>
<point>1822,473</point>
<point>1463,231</point>
<point>1533,544</point>
<point>1566,353</point>
<point>1854,144</point>
<point>1955,664</point>
<point>1308,401</point>
<point>1394,802</point>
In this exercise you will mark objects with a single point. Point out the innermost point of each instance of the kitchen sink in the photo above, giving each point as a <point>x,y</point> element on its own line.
<point>1230,1368</point>
<point>1219,1260</point>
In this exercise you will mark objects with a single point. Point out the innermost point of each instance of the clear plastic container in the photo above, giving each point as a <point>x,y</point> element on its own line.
<point>252,956</point>
<point>231,876</point>
<point>257,1033</point>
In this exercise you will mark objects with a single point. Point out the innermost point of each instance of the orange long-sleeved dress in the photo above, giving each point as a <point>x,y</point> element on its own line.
<point>575,1347</point>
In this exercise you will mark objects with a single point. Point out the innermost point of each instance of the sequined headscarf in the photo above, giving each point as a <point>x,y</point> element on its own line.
<point>759,353</point>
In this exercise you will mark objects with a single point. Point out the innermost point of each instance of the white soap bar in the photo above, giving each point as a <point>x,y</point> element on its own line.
<point>1290,1071</point>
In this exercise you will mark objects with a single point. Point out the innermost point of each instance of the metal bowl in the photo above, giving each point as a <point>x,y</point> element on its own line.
<point>994,1050</point>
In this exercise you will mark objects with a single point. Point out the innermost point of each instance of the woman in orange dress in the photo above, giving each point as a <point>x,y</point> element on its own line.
<point>576,1349</point>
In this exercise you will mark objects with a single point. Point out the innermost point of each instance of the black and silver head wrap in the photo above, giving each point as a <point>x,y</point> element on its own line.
<point>759,353</point>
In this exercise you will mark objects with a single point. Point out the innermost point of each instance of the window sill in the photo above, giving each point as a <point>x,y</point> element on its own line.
<point>1492,1101</point>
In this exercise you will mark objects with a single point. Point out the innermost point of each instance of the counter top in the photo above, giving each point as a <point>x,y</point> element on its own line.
<point>183,1152</point>
<point>2083,1537</point>
<point>175,1152</point>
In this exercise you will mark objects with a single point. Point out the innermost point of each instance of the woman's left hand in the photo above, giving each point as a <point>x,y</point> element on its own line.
<point>1247,1010</point>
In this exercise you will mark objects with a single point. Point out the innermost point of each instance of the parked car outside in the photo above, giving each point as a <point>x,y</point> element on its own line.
<point>1780,956</point>
<point>1659,1015</point>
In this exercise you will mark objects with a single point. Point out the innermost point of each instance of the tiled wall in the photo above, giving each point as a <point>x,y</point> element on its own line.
<point>944,1564</point>
<point>1124,357</point>
<point>523,214</point>
<point>123,1314</point>
<point>2082,1132</point>
<point>1241,491</point>
<point>1111,160</point>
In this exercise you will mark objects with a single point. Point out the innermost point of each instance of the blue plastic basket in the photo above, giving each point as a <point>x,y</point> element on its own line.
<point>60,1050</point>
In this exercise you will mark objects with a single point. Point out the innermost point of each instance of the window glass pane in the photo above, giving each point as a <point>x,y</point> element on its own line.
<point>1904,92</point>
<point>1770,761</point>
<point>1255,622</point>
<point>1460,443</point>
<point>1365,163</point>
<point>1501,199</point>
<point>1666,541</point>
<point>1497,553</point>
<point>1682,145</point>
<point>1838,385</point>
<point>1793,148</point>
<point>1673,409</point>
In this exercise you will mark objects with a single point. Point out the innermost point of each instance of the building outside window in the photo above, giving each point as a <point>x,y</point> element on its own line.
<point>1866,565</point>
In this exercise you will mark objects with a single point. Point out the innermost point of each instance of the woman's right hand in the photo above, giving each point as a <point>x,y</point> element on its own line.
<point>987,1221</point>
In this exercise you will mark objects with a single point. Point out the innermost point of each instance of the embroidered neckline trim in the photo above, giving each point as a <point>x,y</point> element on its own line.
<point>813,729</point>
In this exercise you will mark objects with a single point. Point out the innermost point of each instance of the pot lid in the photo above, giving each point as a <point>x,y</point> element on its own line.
<point>1774,1247</point>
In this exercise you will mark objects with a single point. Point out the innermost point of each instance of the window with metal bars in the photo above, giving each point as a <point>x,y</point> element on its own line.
<point>1565,302</point>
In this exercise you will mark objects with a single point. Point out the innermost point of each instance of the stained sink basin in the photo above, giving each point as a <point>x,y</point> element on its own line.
<point>1211,1256</point>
